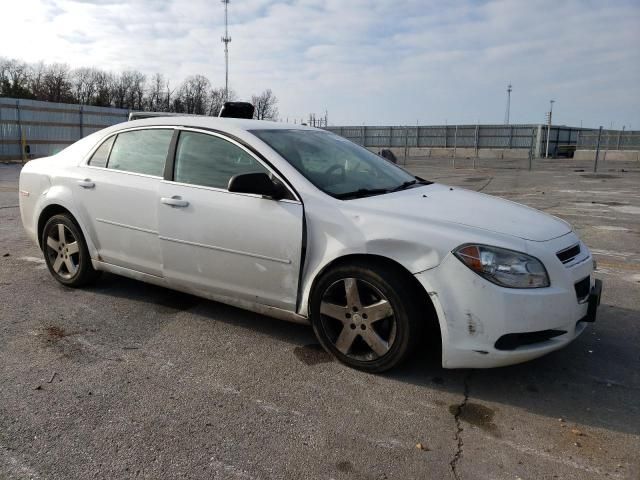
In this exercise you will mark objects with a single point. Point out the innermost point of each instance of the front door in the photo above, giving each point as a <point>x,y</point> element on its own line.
<point>231,244</point>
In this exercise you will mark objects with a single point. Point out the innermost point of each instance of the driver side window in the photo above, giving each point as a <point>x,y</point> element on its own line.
<point>211,161</point>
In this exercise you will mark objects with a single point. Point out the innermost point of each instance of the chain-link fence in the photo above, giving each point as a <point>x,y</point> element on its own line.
<point>609,140</point>
<point>533,137</point>
<point>443,136</point>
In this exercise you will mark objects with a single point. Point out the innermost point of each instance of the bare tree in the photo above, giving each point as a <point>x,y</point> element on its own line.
<point>194,95</point>
<point>104,89</point>
<point>121,89</point>
<point>129,89</point>
<point>14,78</point>
<point>57,83</point>
<point>84,81</point>
<point>168,93</point>
<point>155,93</point>
<point>265,106</point>
<point>136,94</point>
<point>36,81</point>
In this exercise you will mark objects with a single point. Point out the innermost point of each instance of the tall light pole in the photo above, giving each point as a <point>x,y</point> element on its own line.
<point>508,110</point>
<point>551,102</point>
<point>226,40</point>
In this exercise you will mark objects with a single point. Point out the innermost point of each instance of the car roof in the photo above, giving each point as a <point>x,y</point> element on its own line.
<point>226,124</point>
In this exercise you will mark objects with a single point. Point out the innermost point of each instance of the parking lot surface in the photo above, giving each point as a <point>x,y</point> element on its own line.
<point>128,380</point>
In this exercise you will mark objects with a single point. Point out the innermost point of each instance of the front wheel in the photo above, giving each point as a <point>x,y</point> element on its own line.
<point>367,315</point>
<point>65,252</point>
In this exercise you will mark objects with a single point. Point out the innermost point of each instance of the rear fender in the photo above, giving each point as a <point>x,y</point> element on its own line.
<point>62,196</point>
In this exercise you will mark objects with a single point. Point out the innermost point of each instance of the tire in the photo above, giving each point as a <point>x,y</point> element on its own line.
<point>67,258</point>
<point>362,331</point>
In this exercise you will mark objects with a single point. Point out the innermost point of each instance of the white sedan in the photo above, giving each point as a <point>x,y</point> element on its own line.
<point>303,225</point>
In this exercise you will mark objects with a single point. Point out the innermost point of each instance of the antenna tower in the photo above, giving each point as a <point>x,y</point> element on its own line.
<point>226,40</point>
<point>508,110</point>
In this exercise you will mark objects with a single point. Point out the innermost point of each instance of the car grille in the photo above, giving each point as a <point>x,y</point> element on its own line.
<point>568,254</point>
<point>582,288</point>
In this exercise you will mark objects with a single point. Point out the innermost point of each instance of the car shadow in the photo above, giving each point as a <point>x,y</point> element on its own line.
<point>594,381</point>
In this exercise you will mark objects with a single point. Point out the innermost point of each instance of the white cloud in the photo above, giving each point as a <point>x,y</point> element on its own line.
<point>365,61</point>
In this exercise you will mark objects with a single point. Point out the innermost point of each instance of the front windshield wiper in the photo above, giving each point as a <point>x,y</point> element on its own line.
<point>410,183</point>
<point>404,185</point>
<point>361,192</point>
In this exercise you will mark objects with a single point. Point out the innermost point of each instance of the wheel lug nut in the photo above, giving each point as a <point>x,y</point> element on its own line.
<point>348,315</point>
<point>355,309</point>
<point>353,326</point>
<point>363,327</point>
<point>364,315</point>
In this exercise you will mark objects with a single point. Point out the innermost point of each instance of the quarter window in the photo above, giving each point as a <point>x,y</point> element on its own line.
<point>141,151</point>
<point>211,161</point>
<point>100,156</point>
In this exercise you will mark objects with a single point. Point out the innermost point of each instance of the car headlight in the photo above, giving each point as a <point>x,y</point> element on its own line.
<point>503,267</point>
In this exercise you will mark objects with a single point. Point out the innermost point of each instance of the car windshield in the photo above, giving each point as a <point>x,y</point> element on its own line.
<point>335,165</point>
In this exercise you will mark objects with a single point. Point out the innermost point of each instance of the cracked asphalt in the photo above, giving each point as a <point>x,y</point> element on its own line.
<point>127,380</point>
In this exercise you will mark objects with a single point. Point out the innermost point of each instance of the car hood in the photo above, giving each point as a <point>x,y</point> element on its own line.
<point>444,204</point>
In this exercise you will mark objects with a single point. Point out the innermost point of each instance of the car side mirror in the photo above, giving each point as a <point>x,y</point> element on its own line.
<point>257,183</point>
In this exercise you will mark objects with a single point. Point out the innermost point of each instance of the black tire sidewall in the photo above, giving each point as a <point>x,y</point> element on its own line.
<point>385,281</point>
<point>85,269</point>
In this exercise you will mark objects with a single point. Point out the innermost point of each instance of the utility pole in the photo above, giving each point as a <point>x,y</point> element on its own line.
<point>508,110</point>
<point>226,40</point>
<point>551,102</point>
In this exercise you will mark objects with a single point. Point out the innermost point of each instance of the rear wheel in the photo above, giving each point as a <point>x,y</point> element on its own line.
<point>65,252</point>
<point>367,315</point>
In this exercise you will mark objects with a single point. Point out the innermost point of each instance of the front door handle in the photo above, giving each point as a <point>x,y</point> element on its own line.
<point>86,183</point>
<point>175,201</point>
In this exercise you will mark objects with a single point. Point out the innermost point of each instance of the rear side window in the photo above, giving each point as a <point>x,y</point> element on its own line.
<point>100,156</point>
<point>211,161</point>
<point>141,151</point>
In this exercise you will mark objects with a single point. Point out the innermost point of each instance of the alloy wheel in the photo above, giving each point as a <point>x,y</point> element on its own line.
<point>63,251</point>
<point>358,319</point>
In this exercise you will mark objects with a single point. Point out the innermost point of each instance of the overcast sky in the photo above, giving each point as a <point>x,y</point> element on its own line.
<point>365,61</point>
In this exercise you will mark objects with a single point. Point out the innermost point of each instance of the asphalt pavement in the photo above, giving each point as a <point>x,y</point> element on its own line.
<point>128,380</point>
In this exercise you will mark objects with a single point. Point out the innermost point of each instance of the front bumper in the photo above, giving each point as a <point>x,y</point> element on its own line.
<point>475,314</point>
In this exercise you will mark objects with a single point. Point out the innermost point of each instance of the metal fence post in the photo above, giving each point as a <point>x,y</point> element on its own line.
<point>476,141</point>
<point>1,134</point>
<point>531,143</point>
<point>595,163</point>
<point>455,145</point>
<point>619,137</point>
<point>446,128</point>
<point>406,144</point>
<point>364,136</point>
<point>81,121</point>
<point>21,141</point>
<point>510,136</point>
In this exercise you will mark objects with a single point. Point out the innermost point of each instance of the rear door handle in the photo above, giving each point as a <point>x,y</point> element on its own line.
<point>175,201</point>
<point>86,183</point>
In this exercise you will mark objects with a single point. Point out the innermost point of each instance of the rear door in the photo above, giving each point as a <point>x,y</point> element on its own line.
<point>236,245</point>
<point>117,195</point>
